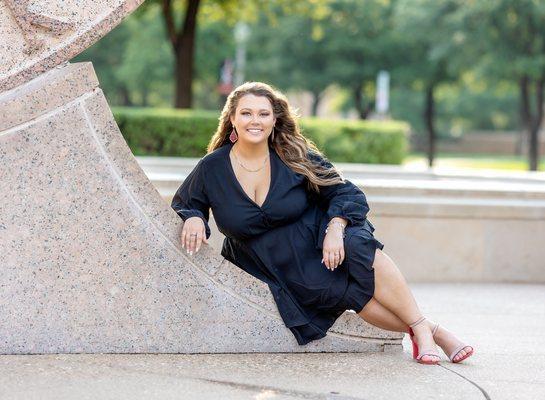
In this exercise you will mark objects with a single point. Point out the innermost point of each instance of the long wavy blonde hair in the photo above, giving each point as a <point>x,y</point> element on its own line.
<point>289,143</point>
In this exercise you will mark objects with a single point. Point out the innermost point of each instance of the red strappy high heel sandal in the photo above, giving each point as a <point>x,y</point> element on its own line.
<point>457,350</point>
<point>451,356</point>
<point>415,346</point>
<point>427,352</point>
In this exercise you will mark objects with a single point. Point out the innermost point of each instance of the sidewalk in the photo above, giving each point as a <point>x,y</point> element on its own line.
<point>503,321</point>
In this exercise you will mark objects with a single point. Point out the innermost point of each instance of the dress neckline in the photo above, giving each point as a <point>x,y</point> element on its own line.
<point>272,175</point>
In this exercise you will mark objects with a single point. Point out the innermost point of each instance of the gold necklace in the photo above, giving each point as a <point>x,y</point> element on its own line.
<point>251,170</point>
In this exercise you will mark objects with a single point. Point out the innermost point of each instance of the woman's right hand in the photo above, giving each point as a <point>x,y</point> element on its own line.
<point>193,234</point>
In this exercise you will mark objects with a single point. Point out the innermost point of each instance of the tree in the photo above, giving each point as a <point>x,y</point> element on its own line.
<point>215,43</point>
<point>428,26</point>
<point>182,40</point>
<point>361,41</point>
<point>181,19</point>
<point>107,56</point>
<point>339,42</point>
<point>133,62</point>
<point>511,35</point>
<point>146,72</point>
<point>290,54</point>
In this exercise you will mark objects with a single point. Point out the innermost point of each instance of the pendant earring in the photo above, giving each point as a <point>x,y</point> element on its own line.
<point>272,135</point>
<point>233,137</point>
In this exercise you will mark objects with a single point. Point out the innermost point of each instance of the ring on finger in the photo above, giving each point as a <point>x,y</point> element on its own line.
<point>191,241</point>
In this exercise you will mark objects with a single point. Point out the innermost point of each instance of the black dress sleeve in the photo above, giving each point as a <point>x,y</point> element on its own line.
<point>190,200</point>
<point>344,200</point>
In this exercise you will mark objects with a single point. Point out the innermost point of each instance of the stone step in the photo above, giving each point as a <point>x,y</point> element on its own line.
<point>167,177</point>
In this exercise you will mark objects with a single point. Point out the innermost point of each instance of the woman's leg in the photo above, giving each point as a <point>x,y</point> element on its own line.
<point>392,291</point>
<point>378,315</point>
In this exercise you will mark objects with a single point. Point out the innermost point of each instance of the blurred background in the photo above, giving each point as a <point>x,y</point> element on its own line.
<point>409,82</point>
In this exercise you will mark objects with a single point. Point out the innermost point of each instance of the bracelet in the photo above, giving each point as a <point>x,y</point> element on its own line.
<point>335,222</point>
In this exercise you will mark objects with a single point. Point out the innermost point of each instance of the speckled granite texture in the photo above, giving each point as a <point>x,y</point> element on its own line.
<point>90,259</point>
<point>36,36</point>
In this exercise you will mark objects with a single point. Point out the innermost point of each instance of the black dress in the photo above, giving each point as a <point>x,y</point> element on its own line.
<point>280,242</point>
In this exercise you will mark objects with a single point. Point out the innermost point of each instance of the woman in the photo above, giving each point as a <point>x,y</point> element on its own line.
<point>292,221</point>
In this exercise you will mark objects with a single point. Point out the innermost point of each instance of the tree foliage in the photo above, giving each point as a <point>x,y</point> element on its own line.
<point>455,65</point>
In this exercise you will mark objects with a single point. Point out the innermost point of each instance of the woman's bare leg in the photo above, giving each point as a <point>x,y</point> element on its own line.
<point>392,291</point>
<point>392,280</point>
<point>378,315</point>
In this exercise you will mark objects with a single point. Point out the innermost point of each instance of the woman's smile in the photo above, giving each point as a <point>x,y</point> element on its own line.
<point>254,119</point>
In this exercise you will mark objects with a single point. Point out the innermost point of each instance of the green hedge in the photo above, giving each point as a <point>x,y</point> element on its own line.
<point>377,142</point>
<point>186,133</point>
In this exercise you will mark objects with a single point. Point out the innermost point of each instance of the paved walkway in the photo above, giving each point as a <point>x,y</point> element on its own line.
<point>504,322</point>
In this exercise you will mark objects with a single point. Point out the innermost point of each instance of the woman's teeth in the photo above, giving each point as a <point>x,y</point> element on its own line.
<point>254,130</point>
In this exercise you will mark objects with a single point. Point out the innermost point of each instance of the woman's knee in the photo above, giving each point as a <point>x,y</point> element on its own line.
<point>384,268</point>
<point>386,271</point>
<point>370,309</point>
<point>379,259</point>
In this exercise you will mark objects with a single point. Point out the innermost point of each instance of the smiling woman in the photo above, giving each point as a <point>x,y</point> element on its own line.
<point>252,122</point>
<point>289,219</point>
<point>253,115</point>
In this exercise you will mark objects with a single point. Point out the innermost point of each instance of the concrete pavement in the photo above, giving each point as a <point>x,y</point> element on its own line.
<point>503,321</point>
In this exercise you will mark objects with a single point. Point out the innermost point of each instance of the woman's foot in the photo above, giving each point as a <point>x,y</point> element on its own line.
<point>450,343</point>
<point>427,349</point>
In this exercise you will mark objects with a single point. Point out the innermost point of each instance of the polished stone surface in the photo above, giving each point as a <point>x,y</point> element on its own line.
<point>36,36</point>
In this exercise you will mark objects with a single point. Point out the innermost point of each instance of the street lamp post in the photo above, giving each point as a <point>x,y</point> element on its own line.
<point>382,94</point>
<point>242,32</point>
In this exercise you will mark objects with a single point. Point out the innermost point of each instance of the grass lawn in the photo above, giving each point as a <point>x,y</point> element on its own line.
<point>475,161</point>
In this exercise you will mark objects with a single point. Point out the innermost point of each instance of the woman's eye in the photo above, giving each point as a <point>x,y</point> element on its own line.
<point>262,115</point>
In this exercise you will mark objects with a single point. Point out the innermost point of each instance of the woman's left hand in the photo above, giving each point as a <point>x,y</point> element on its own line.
<point>333,248</point>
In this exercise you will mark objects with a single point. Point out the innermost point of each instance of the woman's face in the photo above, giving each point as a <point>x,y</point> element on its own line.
<point>253,119</point>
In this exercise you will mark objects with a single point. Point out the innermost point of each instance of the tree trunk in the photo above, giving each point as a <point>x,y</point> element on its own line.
<point>429,114</point>
<point>184,75</point>
<point>536,126</point>
<point>364,109</point>
<point>316,98</point>
<point>532,123</point>
<point>525,115</point>
<point>145,93</point>
<point>183,44</point>
<point>125,96</point>
<point>368,108</point>
<point>358,101</point>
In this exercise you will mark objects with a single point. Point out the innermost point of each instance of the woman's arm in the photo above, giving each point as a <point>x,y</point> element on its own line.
<point>190,200</point>
<point>342,200</point>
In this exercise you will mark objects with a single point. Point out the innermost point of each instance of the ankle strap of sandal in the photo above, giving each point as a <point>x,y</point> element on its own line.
<point>421,319</point>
